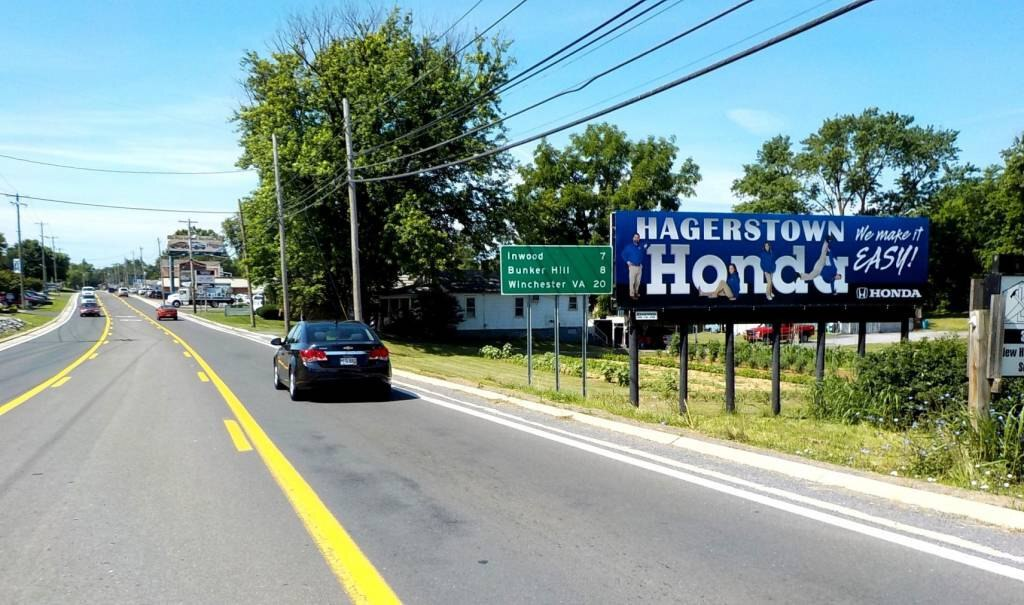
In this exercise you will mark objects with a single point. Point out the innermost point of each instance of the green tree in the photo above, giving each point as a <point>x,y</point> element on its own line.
<point>82,274</point>
<point>845,163</point>
<point>566,196</point>
<point>32,259</point>
<point>394,81</point>
<point>772,184</point>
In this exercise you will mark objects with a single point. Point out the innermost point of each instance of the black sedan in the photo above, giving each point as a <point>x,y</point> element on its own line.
<point>332,354</point>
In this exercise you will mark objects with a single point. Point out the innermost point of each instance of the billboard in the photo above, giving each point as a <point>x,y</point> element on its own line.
<point>717,260</point>
<point>178,245</point>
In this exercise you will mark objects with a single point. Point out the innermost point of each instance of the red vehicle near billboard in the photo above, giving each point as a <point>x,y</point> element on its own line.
<point>789,333</point>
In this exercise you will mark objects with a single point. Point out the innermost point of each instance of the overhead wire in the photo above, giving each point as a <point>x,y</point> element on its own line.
<point>457,21</point>
<point>520,77</point>
<point>575,88</point>
<point>116,171</point>
<point>118,206</point>
<point>643,96</point>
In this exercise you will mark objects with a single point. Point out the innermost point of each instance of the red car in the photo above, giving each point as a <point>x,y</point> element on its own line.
<point>90,308</point>
<point>166,312</point>
<point>763,333</point>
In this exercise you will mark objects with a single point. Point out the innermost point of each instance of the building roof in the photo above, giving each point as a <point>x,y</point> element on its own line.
<point>469,281</point>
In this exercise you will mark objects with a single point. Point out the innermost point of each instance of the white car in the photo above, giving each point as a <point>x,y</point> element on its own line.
<point>122,291</point>
<point>88,289</point>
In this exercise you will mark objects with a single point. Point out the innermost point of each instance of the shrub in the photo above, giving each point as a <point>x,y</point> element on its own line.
<point>269,312</point>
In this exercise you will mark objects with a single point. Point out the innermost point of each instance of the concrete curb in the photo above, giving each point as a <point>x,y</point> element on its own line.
<point>942,503</point>
<point>46,328</point>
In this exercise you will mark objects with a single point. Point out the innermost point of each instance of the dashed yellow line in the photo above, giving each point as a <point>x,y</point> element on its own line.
<point>357,575</point>
<point>39,388</point>
<point>237,436</point>
<point>203,377</point>
<point>186,354</point>
<point>94,356</point>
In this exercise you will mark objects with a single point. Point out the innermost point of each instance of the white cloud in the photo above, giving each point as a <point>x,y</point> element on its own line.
<point>756,121</point>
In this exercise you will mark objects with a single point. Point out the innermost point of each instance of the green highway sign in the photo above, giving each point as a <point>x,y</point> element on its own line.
<point>538,270</point>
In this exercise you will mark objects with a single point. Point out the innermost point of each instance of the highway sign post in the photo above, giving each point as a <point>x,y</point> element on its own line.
<point>537,270</point>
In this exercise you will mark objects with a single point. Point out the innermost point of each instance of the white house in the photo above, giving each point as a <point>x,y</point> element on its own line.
<point>487,313</point>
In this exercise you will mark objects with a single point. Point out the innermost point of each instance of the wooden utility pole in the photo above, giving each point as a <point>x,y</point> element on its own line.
<point>280,232</point>
<point>245,265</point>
<point>192,266</point>
<point>978,389</point>
<point>353,212</point>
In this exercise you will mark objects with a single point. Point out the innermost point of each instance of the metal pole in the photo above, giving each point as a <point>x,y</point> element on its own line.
<point>583,357</point>
<point>142,267</point>
<point>556,344</point>
<point>357,296</point>
<point>529,340</point>
<point>819,357</point>
<point>730,368</point>
<point>280,232</point>
<point>862,338</point>
<point>53,248</point>
<point>192,266</point>
<point>684,366</point>
<point>245,265</point>
<point>634,359</point>
<point>776,350</point>
<point>42,250</point>
<point>21,269</point>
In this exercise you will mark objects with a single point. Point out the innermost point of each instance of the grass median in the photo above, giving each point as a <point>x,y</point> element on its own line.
<point>273,327</point>
<point>40,316</point>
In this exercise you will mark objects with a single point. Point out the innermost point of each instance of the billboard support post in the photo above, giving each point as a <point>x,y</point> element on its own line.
<point>776,350</point>
<point>684,366</point>
<point>979,392</point>
<point>819,356</point>
<point>634,359</point>
<point>557,330</point>
<point>529,340</point>
<point>862,338</point>
<point>730,368</point>
<point>905,330</point>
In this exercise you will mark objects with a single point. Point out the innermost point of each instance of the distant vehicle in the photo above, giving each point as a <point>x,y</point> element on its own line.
<point>166,312</point>
<point>789,332</point>
<point>713,328</point>
<point>211,295</point>
<point>84,296</point>
<point>132,291</point>
<point>257,301</point>
<point>37,299</point>
<point>122,291</point>
<point>88,289</point>
<point>90,308</point>
<point>332,354</point>
<point>156,293</point>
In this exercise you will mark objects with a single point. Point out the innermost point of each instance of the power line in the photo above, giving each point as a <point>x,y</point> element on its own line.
<point>459,20</point>
<point>631,101</point>
<point>113,171</point>
<point>504,86</point>
<point>392,98</point>
<point>576,88</point>
<point>116,206</point>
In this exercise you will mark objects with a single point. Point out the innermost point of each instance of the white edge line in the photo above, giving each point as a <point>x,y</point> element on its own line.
<point>63,318</point>
<point>822,504</point>
<point>802,511</point>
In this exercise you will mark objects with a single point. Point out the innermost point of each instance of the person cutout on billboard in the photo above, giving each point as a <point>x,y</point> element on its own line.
<point>634,254</point>
<point>728,287</point>
<point>825,266</point>
<point>768,267</point>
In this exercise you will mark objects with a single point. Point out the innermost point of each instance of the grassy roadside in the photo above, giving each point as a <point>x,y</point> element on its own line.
<point>265,326</point>
<point>36,318</point>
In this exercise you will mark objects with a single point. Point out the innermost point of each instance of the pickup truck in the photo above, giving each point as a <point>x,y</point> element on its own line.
<point>790,332</point>
<point>211,295</point>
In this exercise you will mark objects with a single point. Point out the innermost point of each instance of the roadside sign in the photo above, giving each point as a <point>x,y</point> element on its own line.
<point>17,265</point>
<point>1012,289</point>
<point>204,277</point>
<point>539,270</point>
<point>647,316</point>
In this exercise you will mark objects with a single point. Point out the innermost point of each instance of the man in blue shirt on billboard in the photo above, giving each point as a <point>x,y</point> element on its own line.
<point>634,254</point>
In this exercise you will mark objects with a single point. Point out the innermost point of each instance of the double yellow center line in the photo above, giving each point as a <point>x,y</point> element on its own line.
<point>357,575</point>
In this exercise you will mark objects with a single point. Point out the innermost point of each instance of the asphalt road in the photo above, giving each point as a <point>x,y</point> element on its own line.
<point>124,485</point>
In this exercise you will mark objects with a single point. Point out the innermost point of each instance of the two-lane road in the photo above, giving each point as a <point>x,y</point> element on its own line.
<point>129,488</point>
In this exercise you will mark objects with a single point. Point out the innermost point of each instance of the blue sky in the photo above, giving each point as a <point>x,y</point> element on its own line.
<point>150,86</point>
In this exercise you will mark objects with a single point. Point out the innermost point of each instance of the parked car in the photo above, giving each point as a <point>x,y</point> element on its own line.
<point>338,354</point>
<point>789,332</point>
<point>166,312</point>
<point>37,299</point>
<point>90,308</point>
<point>156,293</point>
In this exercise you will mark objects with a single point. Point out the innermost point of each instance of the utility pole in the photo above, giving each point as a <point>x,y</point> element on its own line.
<point>142,266</point>
<point>21,268</point>
<point>280,232</point>
<point>53,248</point>
<point>357,295</point>
<point>245,265</point>
<point>192,267</point>
<point>42,250</point>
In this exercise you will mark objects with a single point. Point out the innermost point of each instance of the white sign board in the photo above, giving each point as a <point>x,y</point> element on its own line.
<point>204,278</point>
<point>1012,289</point>
<point>17,265</point>
<point>647,316</point>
